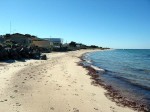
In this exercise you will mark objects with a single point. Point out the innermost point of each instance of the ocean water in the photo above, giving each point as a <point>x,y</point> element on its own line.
<point>126,70</point>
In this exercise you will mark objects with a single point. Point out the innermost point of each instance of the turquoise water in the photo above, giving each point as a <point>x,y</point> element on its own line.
<point>126,70</point>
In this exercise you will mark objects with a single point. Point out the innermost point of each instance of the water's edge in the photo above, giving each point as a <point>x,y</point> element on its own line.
<point>113,94</point>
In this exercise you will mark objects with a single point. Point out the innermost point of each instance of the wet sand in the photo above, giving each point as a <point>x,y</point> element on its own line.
<point>57,84</point>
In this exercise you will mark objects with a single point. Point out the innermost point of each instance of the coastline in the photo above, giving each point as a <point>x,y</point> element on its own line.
<point>57,84</point>
<point>112,94</point>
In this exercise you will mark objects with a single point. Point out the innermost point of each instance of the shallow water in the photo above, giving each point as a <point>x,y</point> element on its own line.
<point>126,70</point>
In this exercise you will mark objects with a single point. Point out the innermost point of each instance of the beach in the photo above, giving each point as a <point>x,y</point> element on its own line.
<point>58,84</point>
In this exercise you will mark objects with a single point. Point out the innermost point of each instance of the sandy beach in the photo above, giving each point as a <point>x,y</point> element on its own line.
<point>55,85</point>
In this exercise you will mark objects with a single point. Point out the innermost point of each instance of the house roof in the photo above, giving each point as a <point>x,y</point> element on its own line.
<point>54,39</point>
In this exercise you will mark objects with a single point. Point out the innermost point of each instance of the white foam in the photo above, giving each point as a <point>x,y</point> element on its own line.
<point>100,70</point>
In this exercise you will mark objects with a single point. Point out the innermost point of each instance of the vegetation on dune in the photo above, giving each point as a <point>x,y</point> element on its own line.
<point>17,46</point>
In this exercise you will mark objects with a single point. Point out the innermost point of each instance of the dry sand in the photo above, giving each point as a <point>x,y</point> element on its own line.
<point>58,85</point>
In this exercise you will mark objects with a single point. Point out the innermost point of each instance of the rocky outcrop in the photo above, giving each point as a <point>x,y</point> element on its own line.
<point>20,52</point>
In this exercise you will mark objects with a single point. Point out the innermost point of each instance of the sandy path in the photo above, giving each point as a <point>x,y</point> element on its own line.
<point>57,84</point>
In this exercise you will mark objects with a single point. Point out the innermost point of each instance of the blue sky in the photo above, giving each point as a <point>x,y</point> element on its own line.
<point>107,23</point>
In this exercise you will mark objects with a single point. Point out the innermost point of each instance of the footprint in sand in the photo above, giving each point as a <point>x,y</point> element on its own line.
<point>75,110</point>
<point>18,104</point>
<point>16,85</point>
<point>22,94</point>
<point>74,82</point>
<point>12,97</point>
<point>15,91</point>
<point>112,109</point>
<point>3,100</point>
<point>95,108</point>
<point>52,108</point>
<point>76,94</point>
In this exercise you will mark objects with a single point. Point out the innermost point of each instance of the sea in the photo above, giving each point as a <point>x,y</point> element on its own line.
<point>126,70</point>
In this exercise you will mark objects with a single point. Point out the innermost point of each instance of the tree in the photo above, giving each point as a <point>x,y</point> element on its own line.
<point>7,35</point>
<point>94,46</point>
<point>72,44</point>
<point>27,35</point>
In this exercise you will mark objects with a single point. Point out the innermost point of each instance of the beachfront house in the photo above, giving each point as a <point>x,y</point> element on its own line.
<point>55,42</point>
<point>41,43</point>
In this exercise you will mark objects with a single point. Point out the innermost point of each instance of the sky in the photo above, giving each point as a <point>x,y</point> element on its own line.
<point>119,24</point>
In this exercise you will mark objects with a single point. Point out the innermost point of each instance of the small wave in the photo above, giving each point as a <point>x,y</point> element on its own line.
<point>88,61</point>
<point>86,58</point>
<point>99,70</point>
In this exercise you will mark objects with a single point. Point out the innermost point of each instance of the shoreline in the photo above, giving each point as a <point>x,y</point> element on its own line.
<point>112,94</point>
<point>57,84</point>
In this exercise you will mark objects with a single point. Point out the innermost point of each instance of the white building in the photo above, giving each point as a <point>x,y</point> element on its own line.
<point>55,41</point>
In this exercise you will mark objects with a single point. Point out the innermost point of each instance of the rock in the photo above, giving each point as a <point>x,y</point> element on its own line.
<point>43,57</point>
<point>3,54</point>
<point>17,52</point>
